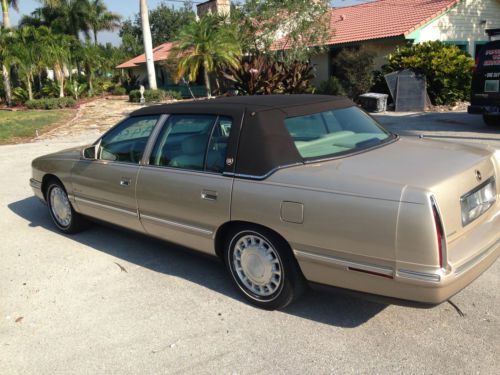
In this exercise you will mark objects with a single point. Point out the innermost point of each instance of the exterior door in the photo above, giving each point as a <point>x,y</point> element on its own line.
<point>105,188</point>
<point>182,194</point>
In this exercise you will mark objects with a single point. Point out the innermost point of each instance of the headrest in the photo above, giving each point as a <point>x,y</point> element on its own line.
<point>194,145</point>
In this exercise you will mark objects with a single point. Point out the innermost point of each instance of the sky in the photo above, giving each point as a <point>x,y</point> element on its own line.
<point>127,9</point>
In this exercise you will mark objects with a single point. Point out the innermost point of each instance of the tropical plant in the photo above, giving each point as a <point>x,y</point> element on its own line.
<point>92,60</point>
<point>100,18</point>
<point>206,45</point>
<point>262,75</point>
<point>331,86</point>
<point>448,69</point>
<point>5,11</point>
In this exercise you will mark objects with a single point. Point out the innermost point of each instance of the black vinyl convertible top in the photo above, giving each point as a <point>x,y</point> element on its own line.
<point>260,142</point>
<point>289,104</point>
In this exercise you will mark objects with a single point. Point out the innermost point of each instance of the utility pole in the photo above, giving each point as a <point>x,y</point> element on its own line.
<point>148,45</point>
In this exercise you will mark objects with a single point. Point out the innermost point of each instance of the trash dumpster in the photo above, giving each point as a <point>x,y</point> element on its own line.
<point>374,102</point>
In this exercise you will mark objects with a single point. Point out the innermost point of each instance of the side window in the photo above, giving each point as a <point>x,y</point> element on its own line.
<point>195,142</point>
<point>126,142</point>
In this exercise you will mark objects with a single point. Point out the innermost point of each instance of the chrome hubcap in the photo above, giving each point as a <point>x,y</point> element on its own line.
<point>60,206</point>
<point>257,265</point>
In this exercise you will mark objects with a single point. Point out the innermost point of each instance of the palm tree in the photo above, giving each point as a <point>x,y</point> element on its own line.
<point>68,16</point>
<point>148,45</point>
<point>56,53</point>
<point>5,69</point>
<point>207,44</point>
<point>100,18</point>
<point>92,59</point>
<point>25,54</point>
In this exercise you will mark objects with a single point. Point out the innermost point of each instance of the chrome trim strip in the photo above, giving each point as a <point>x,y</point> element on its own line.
<point>35,184</point>
<point>262,177</point>
<point>420,276</point>
<point>176,224</point>
<point>344,263</point>
<point>471,262</point>
<point>105,206</point>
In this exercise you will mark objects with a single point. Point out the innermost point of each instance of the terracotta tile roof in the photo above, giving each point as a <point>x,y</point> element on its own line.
<point>381,19</point>
<point>160,53</point>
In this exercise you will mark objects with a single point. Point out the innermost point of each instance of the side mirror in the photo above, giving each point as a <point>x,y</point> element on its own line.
<point>90,153</point>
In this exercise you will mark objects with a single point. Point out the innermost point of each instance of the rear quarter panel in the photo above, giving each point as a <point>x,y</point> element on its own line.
<point>341,225</point>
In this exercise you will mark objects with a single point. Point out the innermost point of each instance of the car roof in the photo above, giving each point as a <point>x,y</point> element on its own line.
<point>256,103</point>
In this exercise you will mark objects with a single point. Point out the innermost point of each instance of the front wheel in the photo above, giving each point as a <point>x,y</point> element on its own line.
<point>61,211</point>
<point>263,268</point>
<point>491,120</point>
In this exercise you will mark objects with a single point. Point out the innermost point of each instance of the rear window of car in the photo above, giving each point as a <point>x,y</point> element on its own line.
<point>335,132</point>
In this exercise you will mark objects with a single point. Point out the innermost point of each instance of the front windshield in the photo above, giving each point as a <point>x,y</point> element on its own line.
<point>334,132</point>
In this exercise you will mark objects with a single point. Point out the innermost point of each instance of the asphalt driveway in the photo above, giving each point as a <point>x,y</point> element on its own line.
<point>109,301</point>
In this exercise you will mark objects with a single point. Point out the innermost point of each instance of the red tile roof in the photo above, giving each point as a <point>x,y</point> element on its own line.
<point>160,53</point>
<point>381,19</point>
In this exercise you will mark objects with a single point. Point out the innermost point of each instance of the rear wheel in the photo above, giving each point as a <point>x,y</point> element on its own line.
<point>61,211</point>
<point>491,120</point>
<point>263,268</point>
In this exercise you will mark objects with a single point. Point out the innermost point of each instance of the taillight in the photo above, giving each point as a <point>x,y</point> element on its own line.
<point>441,242</point>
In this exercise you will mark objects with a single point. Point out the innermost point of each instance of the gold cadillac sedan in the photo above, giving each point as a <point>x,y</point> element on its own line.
<point>289,190</point>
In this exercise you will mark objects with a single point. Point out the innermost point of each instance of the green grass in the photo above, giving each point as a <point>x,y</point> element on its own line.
<point>22,125</point>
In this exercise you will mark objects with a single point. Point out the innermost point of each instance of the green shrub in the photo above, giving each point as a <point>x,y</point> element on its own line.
<point>171,94</point>
<point>331,86</point>
<point>119,90</point>
<point>447,68</point>
<point>51,103</point>
<point>153,96</point>
<point>353,67</point>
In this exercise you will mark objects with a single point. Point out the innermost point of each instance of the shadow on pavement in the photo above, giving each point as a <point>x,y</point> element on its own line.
<point>333,309</point>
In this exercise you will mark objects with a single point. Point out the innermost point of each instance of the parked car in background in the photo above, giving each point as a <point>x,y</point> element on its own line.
<point>289,190</point>
<point>485,95</point>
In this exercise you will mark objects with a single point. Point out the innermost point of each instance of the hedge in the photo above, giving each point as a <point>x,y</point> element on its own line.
<point>50,103</point>
<point>151,96</point>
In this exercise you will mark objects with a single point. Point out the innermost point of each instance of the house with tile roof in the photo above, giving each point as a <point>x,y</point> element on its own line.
<point>382,25</point>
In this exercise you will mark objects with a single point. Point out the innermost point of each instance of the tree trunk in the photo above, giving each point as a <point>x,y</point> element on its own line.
<point>59,73</point>
<point>95,37</point>
<point>6,85</point>
<point>207,82</point>
<point>30,87</point>
<point>5,14</point>
<point>148,45</point>
<point>5,69</point>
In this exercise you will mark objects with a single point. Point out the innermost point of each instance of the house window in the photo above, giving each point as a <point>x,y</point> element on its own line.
<point>478,46</point>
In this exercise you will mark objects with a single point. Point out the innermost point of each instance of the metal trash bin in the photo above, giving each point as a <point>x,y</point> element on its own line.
<point>374,102</point>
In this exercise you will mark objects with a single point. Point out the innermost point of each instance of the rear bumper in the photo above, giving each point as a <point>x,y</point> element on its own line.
<point>483,110</point>
<point>418,285</point>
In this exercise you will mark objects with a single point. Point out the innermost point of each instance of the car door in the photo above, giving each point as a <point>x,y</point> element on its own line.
<point>182,193</point>
<point>104,188</point>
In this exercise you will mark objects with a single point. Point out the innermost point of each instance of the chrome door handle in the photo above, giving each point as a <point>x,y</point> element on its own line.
<point>209,195</point>
<point>125,182</point>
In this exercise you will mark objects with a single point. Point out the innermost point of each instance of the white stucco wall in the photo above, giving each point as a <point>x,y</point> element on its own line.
<point>466,22</point>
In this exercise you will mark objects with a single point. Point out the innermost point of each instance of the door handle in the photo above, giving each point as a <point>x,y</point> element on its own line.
<point>125,182</point>
<point>209,195</point>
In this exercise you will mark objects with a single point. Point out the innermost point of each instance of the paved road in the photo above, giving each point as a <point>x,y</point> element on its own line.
<point>107,301</point>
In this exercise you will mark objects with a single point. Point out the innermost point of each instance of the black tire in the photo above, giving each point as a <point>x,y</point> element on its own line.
<point>280,290</point>
<point>491,120</point>
<point>75,222</point>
